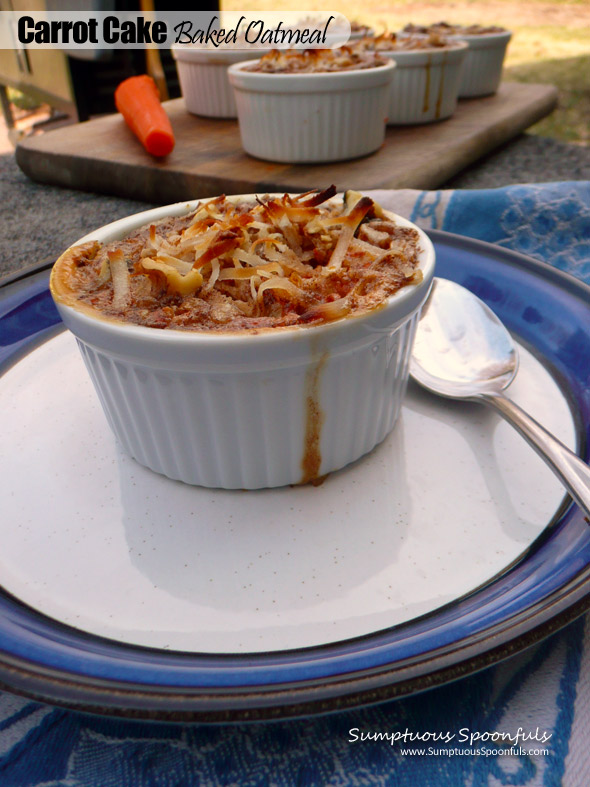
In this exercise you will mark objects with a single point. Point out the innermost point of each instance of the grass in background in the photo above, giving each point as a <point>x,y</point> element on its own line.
<point>571,120</point>
<point>551,43</point>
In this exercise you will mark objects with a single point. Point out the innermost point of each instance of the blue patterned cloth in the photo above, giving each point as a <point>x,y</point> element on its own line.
<point>546,688</point>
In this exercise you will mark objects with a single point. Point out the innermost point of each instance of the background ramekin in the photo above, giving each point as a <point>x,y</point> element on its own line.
<point>234,410</point>
<point>425,83</point>
<point>203,78</point>
<point>482,68</point>
<point>366,32</point>
<point>298,118</point>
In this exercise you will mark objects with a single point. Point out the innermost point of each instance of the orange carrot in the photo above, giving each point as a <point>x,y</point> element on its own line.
<point>138,101</point>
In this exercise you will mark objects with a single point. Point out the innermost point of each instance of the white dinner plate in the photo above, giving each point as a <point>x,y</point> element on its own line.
<point>449,547</point>
<point>96,541</point>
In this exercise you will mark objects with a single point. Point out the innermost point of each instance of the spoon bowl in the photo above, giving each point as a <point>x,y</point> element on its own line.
<point>461,348</point>
<point>463,351</point>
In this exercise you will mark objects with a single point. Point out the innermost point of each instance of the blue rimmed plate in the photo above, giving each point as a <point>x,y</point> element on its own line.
<point>445,550</point>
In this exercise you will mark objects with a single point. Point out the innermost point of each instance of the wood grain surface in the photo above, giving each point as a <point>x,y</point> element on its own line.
<point>102,155</point>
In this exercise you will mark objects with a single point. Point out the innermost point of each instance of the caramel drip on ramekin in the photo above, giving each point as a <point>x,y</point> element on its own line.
<point>314,419</point>
<point>426,101</point>
<point>441,86</point>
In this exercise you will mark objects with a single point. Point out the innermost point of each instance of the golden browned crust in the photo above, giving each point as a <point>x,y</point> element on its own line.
<point>394,42</point>
<point>315,61</point>
<point>65,277</point>
<point>448,29</point>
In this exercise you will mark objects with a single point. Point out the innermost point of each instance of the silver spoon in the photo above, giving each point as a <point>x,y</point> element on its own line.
<point>463,351</point>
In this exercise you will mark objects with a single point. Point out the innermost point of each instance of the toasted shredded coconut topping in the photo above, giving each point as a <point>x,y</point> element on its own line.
<point>312,61</point>
<point>357,27</point>
<point>445,28</point>
<point>393,42</point>
<point>247,265</point>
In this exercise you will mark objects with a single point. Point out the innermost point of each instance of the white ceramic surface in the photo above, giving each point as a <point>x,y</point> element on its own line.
<point>425,84</point>
<point>243,411</point>
<point>299,118</point>
<point>94,540</point>
<point>356,36</point>
<point>482,69</point>
<point>202,74</point>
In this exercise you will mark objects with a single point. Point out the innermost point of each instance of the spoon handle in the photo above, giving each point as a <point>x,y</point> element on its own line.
<point>573,472</point>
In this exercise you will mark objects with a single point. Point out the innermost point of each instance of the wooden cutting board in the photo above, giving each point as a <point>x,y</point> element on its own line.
<point>102,155</point>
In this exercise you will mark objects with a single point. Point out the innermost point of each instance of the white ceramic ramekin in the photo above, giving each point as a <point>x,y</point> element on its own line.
<point>243,411</point>
<point>311,117</point>
<point>361,32</point>
<point>425,83</point>
<point>482,68</point>
<point>203,78</point>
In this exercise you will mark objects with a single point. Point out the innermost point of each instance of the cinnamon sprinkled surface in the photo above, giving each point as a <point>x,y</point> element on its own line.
<point>246,265</point>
